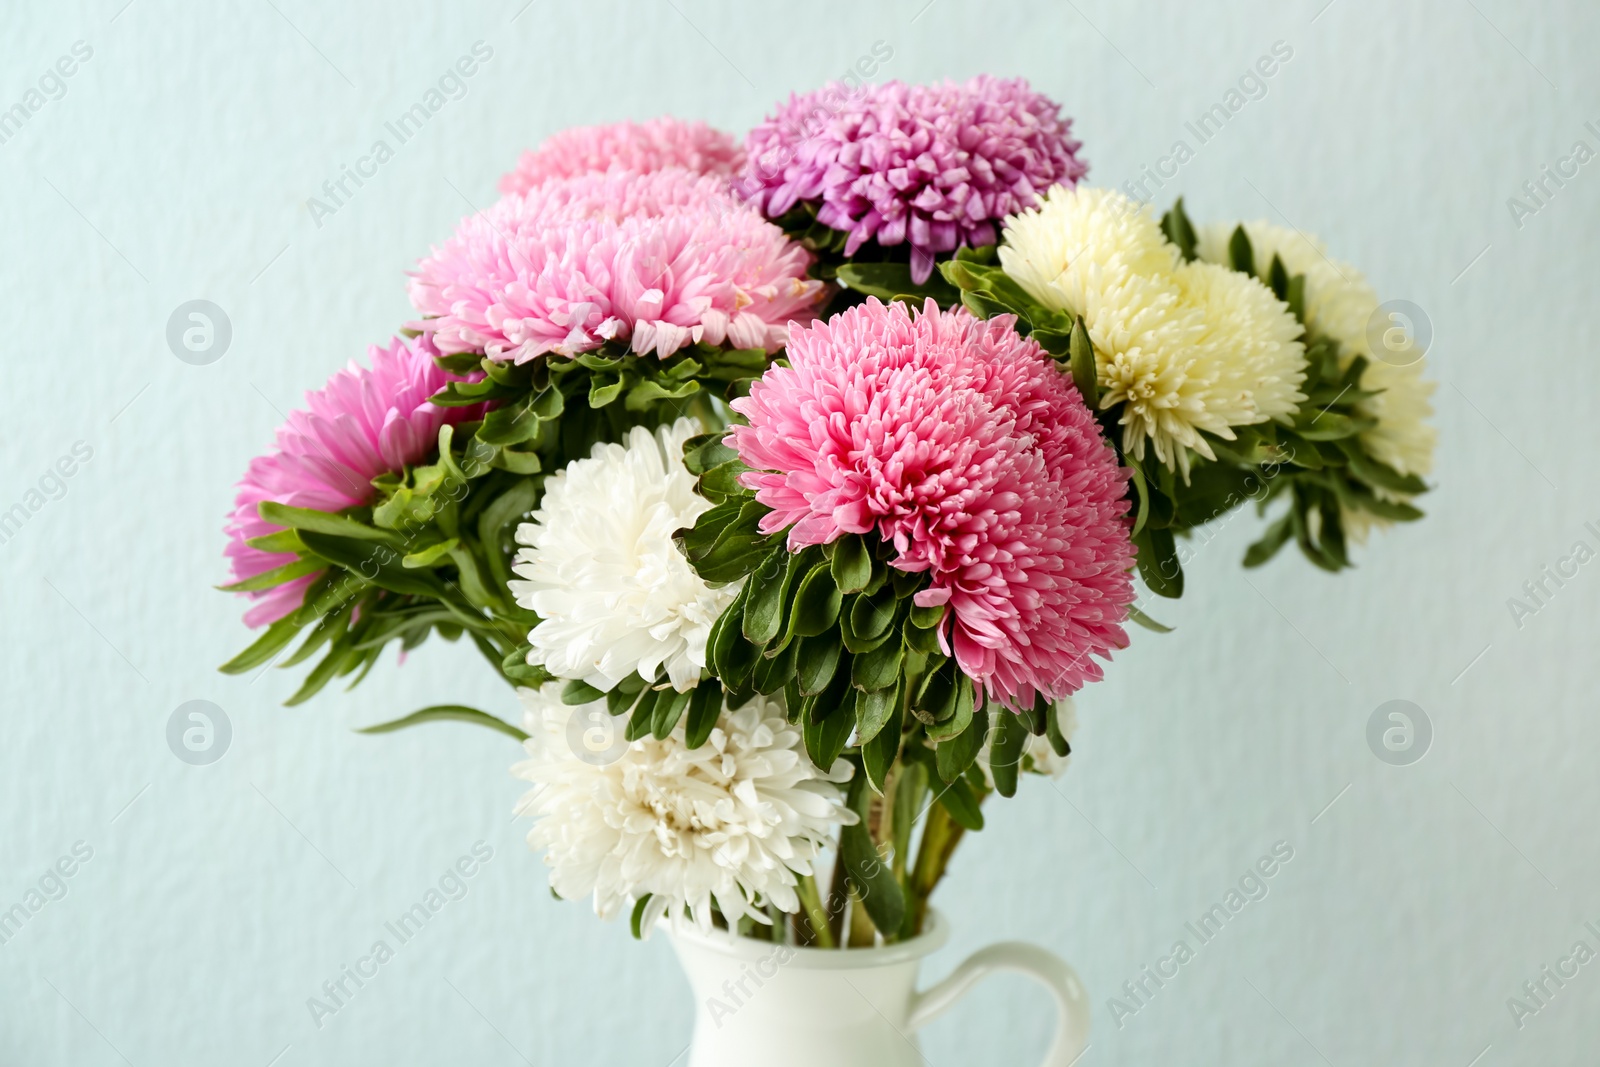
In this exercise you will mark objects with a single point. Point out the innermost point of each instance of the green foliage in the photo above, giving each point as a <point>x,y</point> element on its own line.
<point>431,553</point>
<point>873,270</point>
<point>447,713</point>
<point>875,885</point>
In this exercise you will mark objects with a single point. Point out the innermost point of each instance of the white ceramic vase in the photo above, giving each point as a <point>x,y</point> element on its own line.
<point>757,1003</point>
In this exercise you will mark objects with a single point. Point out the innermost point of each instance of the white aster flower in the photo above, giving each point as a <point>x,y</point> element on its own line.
<point>730,824</point>
<point>1339,304</point>
<point>613,592</point>
<point>1183,349</point>
<point>1037,755</point>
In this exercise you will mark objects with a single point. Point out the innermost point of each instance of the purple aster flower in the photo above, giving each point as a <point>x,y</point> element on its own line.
<point>934,166</point>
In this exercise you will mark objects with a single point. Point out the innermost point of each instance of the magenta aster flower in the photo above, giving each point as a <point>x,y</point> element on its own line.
<point>363,423</point>
<point>662,260</point>
<point>930,165</point>
<point>635,146</point>
<point>963,445</point>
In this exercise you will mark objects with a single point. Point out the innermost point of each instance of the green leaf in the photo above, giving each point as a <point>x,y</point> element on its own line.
<point>705,706</point>
<point>1158,562</point>
<point>580,692</point>
<point>774,671</point>
<point>817,662</point>
<point>603,389</point>
<point>341,657</point>
<point>516,461</point>
<point>427,557</point>
<point>935,700</point>
<point>958,799</point>
<point>1179,230</point>
<point>955,754</point>
<point>816,605</point>
<point>447,713</point>
<point>702,453</point>
<point>647,392</point>
<point>851,563</point>
<point>377,563</point>
<point>1331,426</point>
<point>643,717</point>
<point>961,715</point>
<point>875,708</point>
<point>275,577</point>
<point>878,730</point>
<point>892,281</point>
<point>1240,255</point>
<point>768,589</point>
<point>512,424</point>
<point>869,875</point>
<point>322,522</point>
<point>670,706</point>
<point>1146,621</point>
<point>1141,490</point>
<point>879,668</point>
<point>277,541</point>
<point>1005,755</point>
<point>637,919</point>
<point>1058,740</point>
<point>1085,372</point>
<point>1278,278</point>
<point>722,481</point>
<point>1277,535</point>
<point>263,648</point>
<point>826,737</point>
<point>1379,474</point>
<point>870,617</point>
<point>1296,297</point>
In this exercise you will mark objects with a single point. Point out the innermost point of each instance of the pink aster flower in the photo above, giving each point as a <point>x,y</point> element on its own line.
<point>363,423</point>
<point>635,146</point>
<point>662,260</point>
<point>930,165</point>
<point>963,445</point>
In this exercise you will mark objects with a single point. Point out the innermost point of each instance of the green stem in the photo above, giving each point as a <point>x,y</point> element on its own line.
<point>837,898</point>
<point>812,903</point>
<point>940,837</point>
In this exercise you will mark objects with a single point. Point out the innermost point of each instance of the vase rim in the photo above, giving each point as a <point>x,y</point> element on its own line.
<point>935,933</point>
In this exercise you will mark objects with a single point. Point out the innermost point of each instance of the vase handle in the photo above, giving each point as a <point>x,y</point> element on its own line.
<point>1072,1002</point>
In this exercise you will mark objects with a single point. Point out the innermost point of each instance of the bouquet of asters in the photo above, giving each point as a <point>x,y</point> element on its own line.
<point>797,485</point>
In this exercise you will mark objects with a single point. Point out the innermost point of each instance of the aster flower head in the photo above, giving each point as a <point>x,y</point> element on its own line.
<point>363,423</point>
<point>1340,304</point>
<point>640,147</point>
<point>599,566</point>
<point>729,825</point>
<point>661,260</point>
<point>960,443</point>
<point>932,166</point>
<point>1185,348</point>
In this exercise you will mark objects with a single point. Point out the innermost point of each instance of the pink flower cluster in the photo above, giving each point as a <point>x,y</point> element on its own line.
<point>963,445</point>
<point>934,166</point>
<point>634,146</point>
<point>662,260</point>
<point>363,423</point>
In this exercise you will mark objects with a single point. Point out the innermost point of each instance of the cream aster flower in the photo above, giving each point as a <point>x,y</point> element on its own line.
<point>731,824</point>
<point>602,572</point>
<point>1339,304</point>
<point>1183,349</point>
<point>1037,755</point>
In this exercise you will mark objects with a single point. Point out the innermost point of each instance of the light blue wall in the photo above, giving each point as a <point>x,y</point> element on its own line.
<point>177,165</point>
